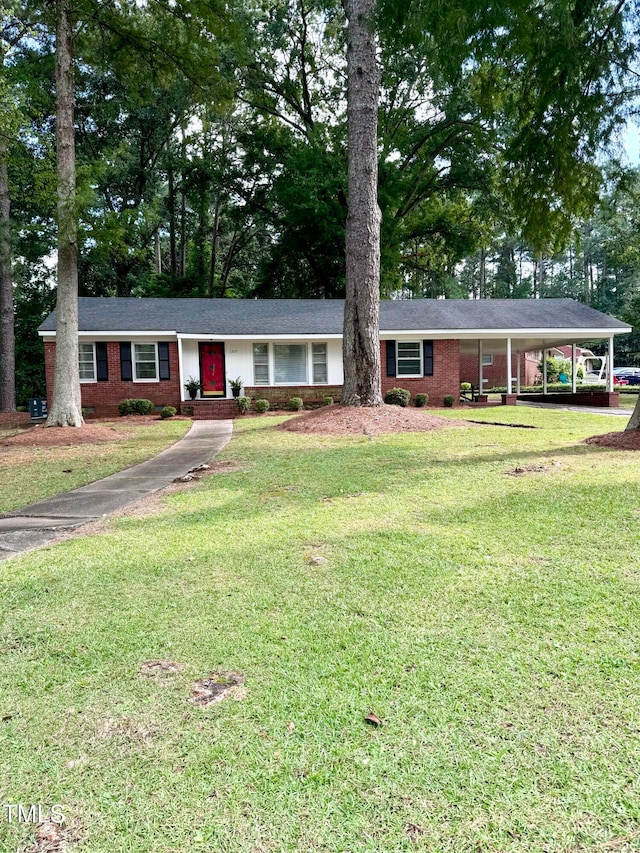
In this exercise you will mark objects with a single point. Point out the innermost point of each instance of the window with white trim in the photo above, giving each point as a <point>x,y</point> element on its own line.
<point>487,360</point>
<point>87,362</point>
<point>261,364</point>
<point>290,364</point>
<point>320,371</point>
<point>145,362</point>
<point>408,358</point>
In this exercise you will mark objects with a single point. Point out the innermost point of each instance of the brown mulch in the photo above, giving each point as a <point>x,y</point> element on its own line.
<point>42,436</point>
<point>342,420</point>
<point>622,440</point>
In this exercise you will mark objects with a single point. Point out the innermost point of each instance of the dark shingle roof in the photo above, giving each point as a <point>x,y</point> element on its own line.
<point>265,317</point>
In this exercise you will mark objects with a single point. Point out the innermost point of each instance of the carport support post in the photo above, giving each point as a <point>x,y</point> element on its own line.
<point>509,368</point>
<point>544,371</point>
<point>574,370</point>
<point>610,367</point>
<point>480,377</point>
<point>518,373</point>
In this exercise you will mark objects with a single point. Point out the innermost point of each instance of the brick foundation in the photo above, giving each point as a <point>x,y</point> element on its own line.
<point>582,398</point>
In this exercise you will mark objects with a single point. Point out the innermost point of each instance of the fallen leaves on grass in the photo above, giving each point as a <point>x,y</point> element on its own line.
<point>373,719</point>
<point>50,838</point>
<point>218,686</point>
<point>414,832</point>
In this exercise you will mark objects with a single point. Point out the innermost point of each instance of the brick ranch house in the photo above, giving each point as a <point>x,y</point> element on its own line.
<point>281,348</point>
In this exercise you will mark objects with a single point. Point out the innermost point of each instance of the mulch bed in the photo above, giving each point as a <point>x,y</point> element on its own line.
<point>39,435</point>
<point>342,420</point>
<point>621,440</point>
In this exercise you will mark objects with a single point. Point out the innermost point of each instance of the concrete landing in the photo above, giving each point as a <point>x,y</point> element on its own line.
<point>40,523</point>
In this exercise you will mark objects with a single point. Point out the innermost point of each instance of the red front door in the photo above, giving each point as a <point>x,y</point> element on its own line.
<point>212,370</point>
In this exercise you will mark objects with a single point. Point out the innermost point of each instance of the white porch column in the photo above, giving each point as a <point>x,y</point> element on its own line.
<point>480,376</point>
<point>180,368</point>
<point>610,366</point>
<point>574,370</point>
<point>544,371</point>
<point>509,368</point>
<point>518,359</point>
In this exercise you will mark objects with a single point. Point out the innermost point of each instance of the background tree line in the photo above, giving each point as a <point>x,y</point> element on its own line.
<point>211,153</point>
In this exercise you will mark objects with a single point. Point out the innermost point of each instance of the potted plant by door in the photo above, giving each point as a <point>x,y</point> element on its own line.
<point>236,386</point>
<point>193,385</point>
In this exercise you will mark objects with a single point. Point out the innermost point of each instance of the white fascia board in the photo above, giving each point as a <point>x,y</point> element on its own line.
<point>489,334</point>
<point>260,338</point>
<point>116,336</point>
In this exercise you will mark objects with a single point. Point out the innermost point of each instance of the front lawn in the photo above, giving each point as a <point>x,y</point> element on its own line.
<point>475,587</point>
<point>29,474</point>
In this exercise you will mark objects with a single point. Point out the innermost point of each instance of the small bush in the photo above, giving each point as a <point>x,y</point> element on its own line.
<point>168,412</point>
<point>465,386</point>
<point>420,400</point>
<point>243,404</point>
<point>261,406</point>
<point>327,400</point>
<point>135,407</point>
<point>449,400</point>
<point>295,404</point>
<point>397,397</point>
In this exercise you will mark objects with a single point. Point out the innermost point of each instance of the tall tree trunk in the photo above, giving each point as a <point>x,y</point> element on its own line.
<point>634,420</point>
<point>171,204</point>
<point>66,409</point>
<point>361,338</point>
<point>214,246</point>
<point>7,334</point>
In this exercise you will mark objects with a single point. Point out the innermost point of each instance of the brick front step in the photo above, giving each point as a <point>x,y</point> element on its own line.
<point>209,410</point>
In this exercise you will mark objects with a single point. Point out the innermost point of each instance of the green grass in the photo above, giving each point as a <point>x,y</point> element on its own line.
<point>30,474</point>
<point>490,620</point>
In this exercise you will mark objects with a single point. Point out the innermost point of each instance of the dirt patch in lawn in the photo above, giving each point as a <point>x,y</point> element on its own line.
<point>218,686</point>
<point>343,420</point>
<point>621,440</point>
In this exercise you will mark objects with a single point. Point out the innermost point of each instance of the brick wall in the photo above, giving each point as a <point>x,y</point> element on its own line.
<point>280,395</point>
<point>104,397</point>
<point>496,373</point>
<point>445,379</point>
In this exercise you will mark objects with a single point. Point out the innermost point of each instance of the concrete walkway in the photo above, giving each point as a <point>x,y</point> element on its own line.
<point>40,523</point>
<point>589,410</point>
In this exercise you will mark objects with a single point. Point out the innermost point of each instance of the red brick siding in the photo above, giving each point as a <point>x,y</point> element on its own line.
<point>496,373</point>
<point>105,396</point>
<point>280,395</point>
<point>445,379</point>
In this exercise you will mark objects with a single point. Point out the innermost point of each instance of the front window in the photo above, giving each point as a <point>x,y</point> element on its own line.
<point>87,362</point>
<point>261,364</point>
<point>320,375</point>
<point>145,358</point>
<point>290,364</point>
<point>409,360</point>
<point>487,360</point>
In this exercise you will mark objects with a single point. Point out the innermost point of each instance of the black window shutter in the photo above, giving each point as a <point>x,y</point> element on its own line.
<point>126,368</point>
<point>163,360</point>
<point>428,357</point>
<point>391,358</point>
<point>102,364</point>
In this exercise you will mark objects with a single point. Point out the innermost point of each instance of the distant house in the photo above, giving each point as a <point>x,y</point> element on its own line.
<point>293,347</point>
